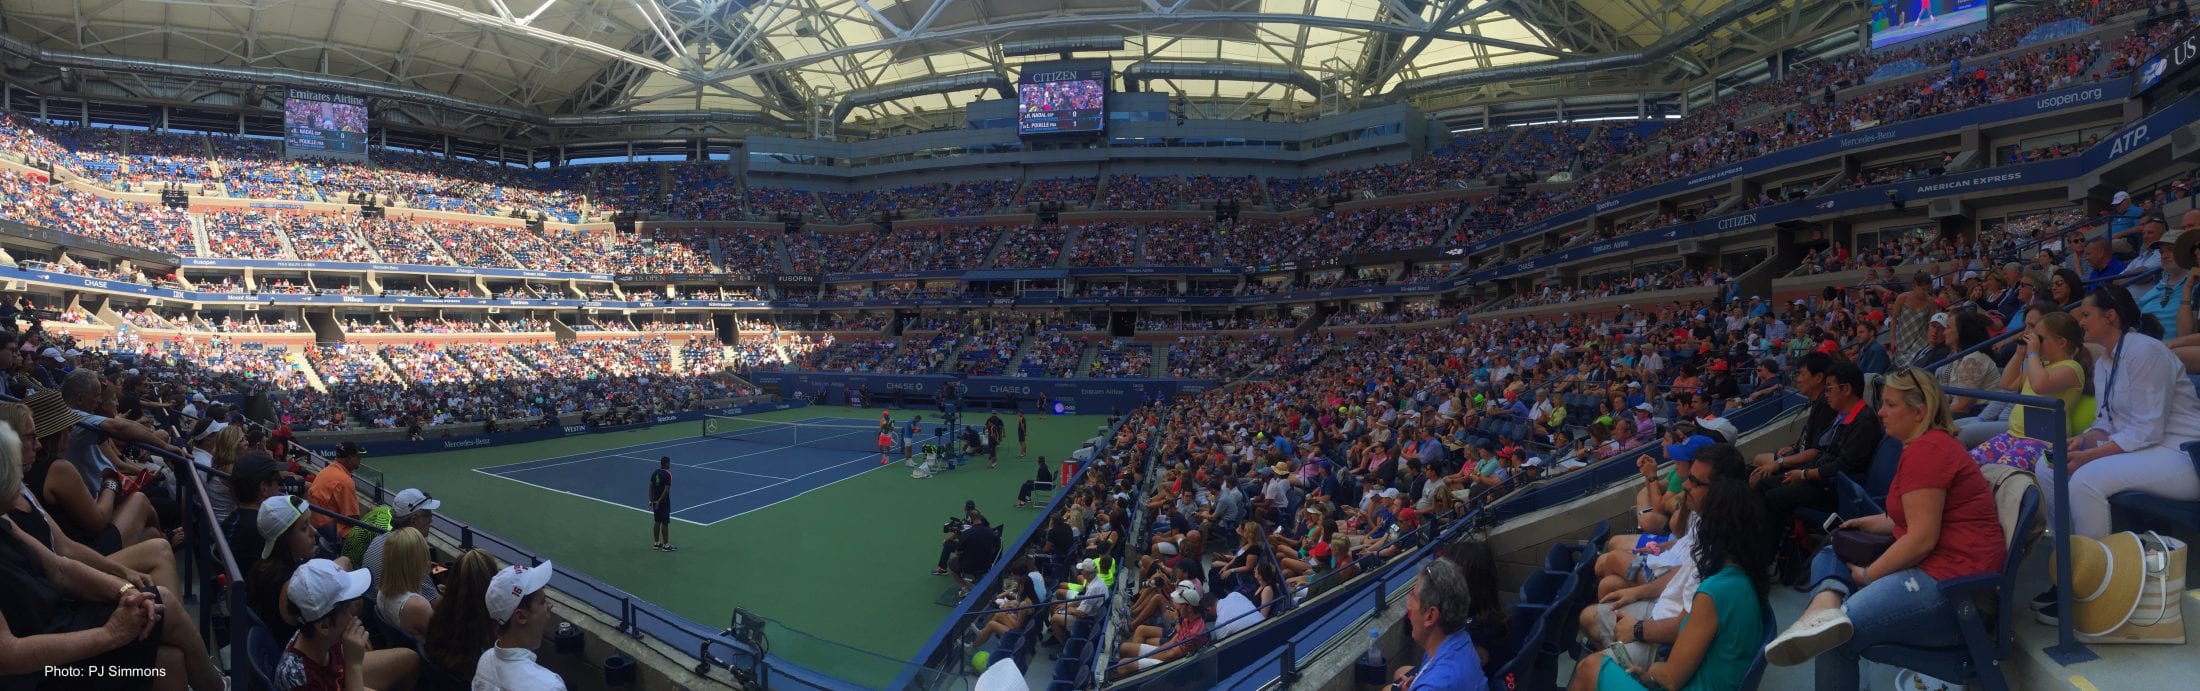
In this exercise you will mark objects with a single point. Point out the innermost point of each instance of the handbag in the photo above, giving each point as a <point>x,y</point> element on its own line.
<point>2157,619</point>
<point>2127,589</point>
<point>1859,548</point>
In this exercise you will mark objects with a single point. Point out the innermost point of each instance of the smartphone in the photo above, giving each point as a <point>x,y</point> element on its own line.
<point>1619,655</point>
<point>1832,521</point>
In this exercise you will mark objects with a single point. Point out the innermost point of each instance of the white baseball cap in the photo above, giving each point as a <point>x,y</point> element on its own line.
<point>513,584</point>
<point>411,500</point>
<point>1187,593</point>
<point>54,353</point>
<point>211,429</point>
<point>2120,198</point>
<point>319,586</point>
<point>277,514</point>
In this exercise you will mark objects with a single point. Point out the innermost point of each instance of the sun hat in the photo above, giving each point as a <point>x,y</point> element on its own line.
<point>2181,246</point>
<point>50,413</point>
<point>2107,577</point>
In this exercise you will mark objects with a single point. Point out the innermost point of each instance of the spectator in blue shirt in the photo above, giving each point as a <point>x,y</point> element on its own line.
<point>2124,216</point>
<point>1438,610</point>
<point>2098,263</point>
<point>1871,355</point>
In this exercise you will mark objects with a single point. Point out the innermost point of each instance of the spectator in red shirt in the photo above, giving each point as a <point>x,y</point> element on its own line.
<point>1942,516</point>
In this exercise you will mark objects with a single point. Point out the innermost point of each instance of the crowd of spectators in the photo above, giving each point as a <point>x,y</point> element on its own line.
<point>930,249</point>
<point>1074,193</point>
<point>1031,247</point>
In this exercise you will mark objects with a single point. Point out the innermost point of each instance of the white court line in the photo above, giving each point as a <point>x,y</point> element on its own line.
<point>859,459</point>
<point>585,456</point>
<point>675,517</point>
<point>701,467</point>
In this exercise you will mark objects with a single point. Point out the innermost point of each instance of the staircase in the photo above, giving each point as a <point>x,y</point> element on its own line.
<point>1160,369</point>
<point>1016,364</point>
<point>198,234</point>
<point>1069,244</point>
<point>779,253</point>
<point>1000,242</point>
<point>313,378</point>
<point>953,361</point>
<point>282,237</point>
<point>1085,358</point>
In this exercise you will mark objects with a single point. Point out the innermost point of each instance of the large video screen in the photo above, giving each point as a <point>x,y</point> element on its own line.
<point>1899,21</point>
<point>317,123</point>
<point>1056,98</point>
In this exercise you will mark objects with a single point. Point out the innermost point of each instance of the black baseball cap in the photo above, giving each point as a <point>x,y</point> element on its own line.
<point>253,468</point>
<point>350,448</point>
<point>970,504</point>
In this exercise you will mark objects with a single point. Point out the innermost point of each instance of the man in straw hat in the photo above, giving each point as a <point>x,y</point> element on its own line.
<point>82,390</point>
<point>103,512</point>
<point>2177,287</point>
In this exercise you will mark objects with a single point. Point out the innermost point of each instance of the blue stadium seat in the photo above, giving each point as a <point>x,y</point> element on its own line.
<point>2147,511</point>
<point>1524,660</point>
<point>261,652</point>
<point>1543,588</point>
<point>1986,635</point>
<point>1563,556</point>
<point>1756,671</point>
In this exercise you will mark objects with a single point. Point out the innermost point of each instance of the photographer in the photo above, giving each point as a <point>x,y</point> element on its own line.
<point>970,543</point>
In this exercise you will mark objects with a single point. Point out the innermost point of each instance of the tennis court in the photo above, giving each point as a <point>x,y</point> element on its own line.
<point>843,556</point>
<point>743,467</point>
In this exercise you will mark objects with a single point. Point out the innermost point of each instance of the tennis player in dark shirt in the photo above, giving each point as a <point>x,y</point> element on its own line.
<point>660,501</point>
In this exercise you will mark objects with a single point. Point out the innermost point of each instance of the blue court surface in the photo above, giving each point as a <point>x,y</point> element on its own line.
<point>713,479</point>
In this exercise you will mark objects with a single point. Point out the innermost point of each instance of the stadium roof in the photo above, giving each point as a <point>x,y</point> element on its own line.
<point>787,61</point>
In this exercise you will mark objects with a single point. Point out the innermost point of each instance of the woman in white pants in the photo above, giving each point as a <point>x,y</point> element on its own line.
<point>2148,411</point>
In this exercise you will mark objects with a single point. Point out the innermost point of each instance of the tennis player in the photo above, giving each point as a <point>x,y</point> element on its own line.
<point>885,447</point>
<point>660,501</point>
<point>1023,449</point>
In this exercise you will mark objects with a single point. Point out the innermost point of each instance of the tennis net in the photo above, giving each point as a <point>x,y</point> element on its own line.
<point>821,436</point>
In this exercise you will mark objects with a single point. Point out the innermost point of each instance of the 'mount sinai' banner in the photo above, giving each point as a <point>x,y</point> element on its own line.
<point>1939,124</point>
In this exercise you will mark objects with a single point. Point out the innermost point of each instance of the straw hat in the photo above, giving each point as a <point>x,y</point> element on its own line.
<point>2181,243</point>
<point>2106,577</point>
<point>51,414</point>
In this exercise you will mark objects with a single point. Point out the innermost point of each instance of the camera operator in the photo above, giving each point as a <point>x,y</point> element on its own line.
<point>971,543</point>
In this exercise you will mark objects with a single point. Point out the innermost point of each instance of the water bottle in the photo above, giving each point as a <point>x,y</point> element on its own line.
<point>1371,670</point>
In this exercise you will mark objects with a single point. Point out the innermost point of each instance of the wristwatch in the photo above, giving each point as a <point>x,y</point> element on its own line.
<point>124,591</point>
<point>1638,630</point>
